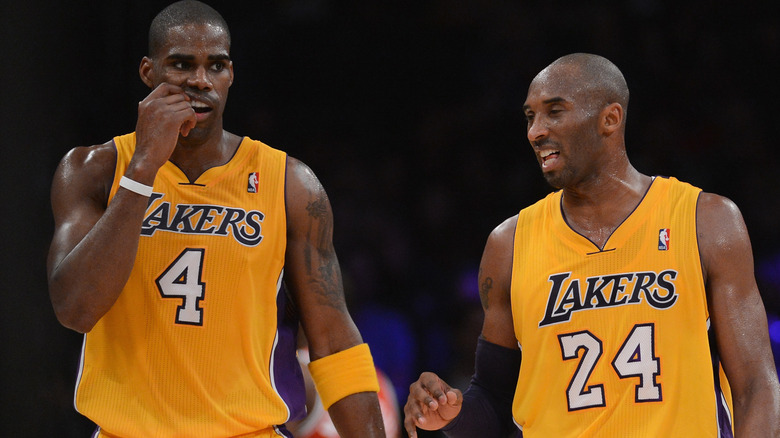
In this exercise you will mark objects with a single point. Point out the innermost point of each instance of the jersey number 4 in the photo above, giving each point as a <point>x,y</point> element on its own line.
<point>636,358</point>
<point>182,279</point>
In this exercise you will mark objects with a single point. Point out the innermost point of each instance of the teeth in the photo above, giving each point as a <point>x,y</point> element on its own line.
<point>196,104</point>
<point>545,154</point>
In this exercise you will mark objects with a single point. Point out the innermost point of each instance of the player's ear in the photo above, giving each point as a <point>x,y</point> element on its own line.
<point>230,68</point>
<point>145,71</point>
<point>612,117</point>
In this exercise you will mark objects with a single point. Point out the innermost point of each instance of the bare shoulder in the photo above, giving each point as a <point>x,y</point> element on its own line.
<point>301,178</point>
<point>713,206</point>
<point>505,230</point>
<point>718,220</point>
<point>501,240</point>
<point>304,189</point>
<point>721,231</point>
<point>90,157</point>
<point>496,266</point>
<point>306,200</point>
<point>85,171</point>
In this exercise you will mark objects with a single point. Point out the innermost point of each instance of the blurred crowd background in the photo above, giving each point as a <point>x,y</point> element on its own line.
<point>410,114</point>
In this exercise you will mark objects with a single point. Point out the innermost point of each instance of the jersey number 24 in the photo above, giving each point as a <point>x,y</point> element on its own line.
<point>635,359</point>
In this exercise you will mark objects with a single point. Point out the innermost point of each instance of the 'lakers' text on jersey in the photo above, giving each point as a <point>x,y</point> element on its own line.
<point>567,295</point>
<point>244,226</point>
<point>616,341</point>
<point>201,341</point>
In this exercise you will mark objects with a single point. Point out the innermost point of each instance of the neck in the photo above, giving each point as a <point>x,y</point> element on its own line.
<point>606,188</point>
<point>595,208</point>
<point>194,155</point>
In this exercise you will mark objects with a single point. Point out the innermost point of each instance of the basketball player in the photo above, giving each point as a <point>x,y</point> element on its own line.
<point>611,304</point>
<point>186,253</point>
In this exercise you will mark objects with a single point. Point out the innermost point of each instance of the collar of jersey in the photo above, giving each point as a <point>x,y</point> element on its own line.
<point>640,215</point>
<point>212,175</point>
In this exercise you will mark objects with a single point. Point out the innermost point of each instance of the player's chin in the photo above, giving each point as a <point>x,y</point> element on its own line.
<point>554,180</point>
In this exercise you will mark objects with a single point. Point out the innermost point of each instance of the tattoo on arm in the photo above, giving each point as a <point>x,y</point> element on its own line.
<point>317,208</point>
<point>484,291</point>
<point>321,223</point>
<point>319,256</point>
<point>327,273</point>
<point>329,288</point>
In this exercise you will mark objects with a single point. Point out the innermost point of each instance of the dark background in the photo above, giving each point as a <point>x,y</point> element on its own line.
<point>409,113</point>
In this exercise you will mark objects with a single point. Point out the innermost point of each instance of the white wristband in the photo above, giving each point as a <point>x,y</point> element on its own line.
<point>135,186</point>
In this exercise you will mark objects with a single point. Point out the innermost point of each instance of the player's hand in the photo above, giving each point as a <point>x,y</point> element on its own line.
<point>431,405</point>
<point>162,116</point>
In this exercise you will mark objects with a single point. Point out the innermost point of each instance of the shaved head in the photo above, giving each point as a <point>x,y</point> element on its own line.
<point>179,14</point>
<point>596,78</point>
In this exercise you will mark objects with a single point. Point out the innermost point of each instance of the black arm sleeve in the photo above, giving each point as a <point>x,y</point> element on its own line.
<point>487,403</point>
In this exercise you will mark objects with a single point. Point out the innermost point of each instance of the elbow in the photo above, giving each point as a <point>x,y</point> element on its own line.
<point>74,319</point>
<point>70,314</point>
<point>75,323</point>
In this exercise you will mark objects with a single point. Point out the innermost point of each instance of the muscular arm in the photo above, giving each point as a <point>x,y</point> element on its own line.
<point>94,245</point>
<point>313,276</point>
<point>738,317</point>
<point>495,277</point>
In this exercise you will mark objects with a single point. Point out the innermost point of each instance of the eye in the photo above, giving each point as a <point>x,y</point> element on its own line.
<point>181,65</point>
<point>555,110</point>
<point>218,66</point>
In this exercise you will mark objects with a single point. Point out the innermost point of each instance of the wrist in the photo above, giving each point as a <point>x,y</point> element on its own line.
<point>141,173</point>
<point>453,423</point>
<point>135,187</point>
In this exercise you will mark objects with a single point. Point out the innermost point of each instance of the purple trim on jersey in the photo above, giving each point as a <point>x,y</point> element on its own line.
<point>285,369</point>
<point>116,159</point>
<point>724,416</point>
<point>282,431</point>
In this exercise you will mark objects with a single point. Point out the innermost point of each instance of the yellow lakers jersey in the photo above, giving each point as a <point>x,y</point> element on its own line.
<point>615,341</point>
<point>201,341</point>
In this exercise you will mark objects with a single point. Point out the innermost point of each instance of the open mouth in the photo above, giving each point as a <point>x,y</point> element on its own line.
<point>548,156</point>
<point>200,108</point>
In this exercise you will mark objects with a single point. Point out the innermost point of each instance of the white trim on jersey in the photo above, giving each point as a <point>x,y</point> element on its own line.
<point>80,372</point>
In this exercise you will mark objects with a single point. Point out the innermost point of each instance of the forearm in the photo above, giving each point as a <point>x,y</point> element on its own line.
<point>85,281</point>
<point>358,415</point>
<point>487,403</point>
<point>758,415</point>
<point>478,417</point>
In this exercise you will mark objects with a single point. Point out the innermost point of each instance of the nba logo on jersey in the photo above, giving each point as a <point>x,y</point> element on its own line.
<point>251,185</point>
<point>663,239</point>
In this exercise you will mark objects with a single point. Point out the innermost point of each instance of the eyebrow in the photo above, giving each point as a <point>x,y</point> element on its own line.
<point>556,99</point>
<point>220,57</point>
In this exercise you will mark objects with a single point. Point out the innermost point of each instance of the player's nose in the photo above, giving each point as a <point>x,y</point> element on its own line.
<point>537,129</point>
<point>199,79</point>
